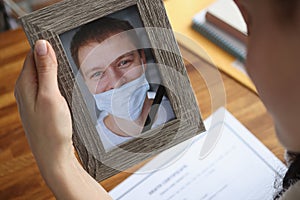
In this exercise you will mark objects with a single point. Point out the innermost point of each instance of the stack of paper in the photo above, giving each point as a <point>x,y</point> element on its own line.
<point>225,15</point>
<point>223,24</point>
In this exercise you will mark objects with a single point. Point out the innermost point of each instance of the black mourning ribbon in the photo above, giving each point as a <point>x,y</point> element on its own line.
<point>161,91</point>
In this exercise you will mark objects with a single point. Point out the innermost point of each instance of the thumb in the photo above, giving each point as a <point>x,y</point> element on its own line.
<point>46,67</point>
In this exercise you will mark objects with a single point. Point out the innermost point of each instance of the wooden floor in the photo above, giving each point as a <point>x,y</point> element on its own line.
<point>19,175</point>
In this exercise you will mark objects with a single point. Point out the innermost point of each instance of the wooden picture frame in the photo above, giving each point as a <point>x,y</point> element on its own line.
<point>53,22</point>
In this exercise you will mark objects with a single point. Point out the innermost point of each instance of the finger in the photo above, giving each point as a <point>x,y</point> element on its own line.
<point>46,67</point>
<point>27,81</point>
<point>28,69</point>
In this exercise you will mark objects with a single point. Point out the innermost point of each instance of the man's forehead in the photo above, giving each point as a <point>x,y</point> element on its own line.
<point>106,52</point>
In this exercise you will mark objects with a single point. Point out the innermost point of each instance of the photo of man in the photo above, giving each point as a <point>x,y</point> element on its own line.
<point>107,54</point>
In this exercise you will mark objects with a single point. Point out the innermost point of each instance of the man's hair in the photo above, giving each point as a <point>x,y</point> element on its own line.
<point>98,31</point>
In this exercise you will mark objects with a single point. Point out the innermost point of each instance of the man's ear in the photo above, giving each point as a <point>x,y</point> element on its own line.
<point>245,13</point>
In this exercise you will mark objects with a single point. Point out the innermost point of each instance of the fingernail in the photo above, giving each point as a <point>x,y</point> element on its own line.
<point>41,48</point>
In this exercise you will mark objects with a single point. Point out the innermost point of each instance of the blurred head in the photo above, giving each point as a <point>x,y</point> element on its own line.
<point>106,53</point>
<point>273,61</point>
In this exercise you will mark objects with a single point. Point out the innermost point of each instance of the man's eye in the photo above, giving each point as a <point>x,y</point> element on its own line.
<point>124,63</point>
<point>96,75</point>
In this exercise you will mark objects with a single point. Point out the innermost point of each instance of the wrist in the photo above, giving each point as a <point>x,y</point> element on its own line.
<point>57,163</point>
<point>59,173</point>
<point>68,180</point>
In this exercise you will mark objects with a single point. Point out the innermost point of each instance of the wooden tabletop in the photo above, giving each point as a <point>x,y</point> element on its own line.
<point>19,175</point>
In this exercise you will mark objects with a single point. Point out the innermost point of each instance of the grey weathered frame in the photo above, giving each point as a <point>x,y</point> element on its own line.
<point>50,22</point>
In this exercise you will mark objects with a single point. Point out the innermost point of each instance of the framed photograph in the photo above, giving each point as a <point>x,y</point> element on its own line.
<point>121,72</point>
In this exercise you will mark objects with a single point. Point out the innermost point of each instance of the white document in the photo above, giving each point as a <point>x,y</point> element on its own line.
<point>238,167</point>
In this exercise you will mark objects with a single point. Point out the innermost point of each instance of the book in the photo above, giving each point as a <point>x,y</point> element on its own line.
<point>225,15</point>
<point>220,37</point>
<point>238,166</point>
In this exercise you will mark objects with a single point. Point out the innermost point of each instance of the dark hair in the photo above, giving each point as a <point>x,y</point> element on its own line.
<point>98,31</point>
<point>292,175</point>
<point>286,11</point>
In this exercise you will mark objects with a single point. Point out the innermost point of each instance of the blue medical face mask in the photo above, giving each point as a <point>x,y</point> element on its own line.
<point>125,102</point>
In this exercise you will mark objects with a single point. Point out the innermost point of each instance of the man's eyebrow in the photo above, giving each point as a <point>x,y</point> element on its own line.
<point>91,70</point>
<point>115,61</point>
<point>122,56</point>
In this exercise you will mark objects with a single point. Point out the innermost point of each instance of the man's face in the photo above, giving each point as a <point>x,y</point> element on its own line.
<point>110,64</point>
